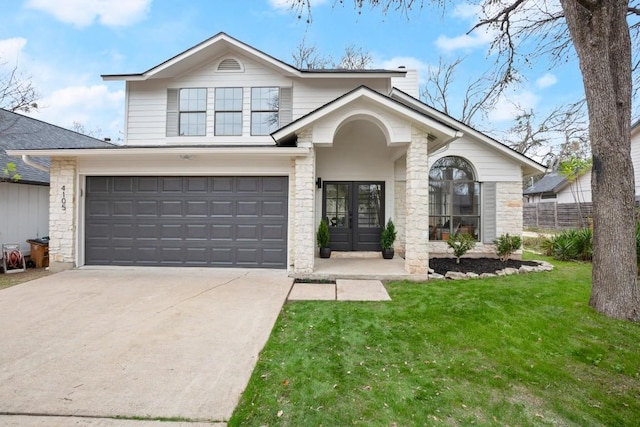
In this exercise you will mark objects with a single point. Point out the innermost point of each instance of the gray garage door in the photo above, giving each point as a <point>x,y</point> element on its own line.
<point>186,221</point>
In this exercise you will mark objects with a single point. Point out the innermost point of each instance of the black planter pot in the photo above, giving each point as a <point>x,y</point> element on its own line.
<point>388,253</point>
<point>325,252</point>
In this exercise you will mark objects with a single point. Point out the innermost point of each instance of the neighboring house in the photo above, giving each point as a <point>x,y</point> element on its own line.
<point>555,187</point>
<point>232,158</point>
<point>24,203</point>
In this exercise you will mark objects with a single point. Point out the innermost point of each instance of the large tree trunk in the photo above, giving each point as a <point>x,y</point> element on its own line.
<point>600,34</point>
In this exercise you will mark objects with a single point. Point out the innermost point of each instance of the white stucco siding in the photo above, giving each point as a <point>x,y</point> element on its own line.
<point>577,191</point>
<point>24,213</point>
<point>359,153</point>
<point>410,83</point>
<point>174,165</point>
<point>147,102</point>
<point>146,112</point>
<point>489,164</point>
<point>309,95</point>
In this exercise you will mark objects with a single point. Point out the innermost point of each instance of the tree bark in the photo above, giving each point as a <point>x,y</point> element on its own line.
<point>600,35</point>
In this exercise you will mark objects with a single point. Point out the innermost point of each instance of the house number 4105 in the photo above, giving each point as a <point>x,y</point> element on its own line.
<point>64,199</point>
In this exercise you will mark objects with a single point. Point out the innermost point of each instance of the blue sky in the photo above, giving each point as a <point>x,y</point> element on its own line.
<point>65,45</point>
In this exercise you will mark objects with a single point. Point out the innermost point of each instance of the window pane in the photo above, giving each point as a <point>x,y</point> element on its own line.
<point>193,124</point>
<point>228,124</point>
<point>228,99</point>
<point>264,99</point>
<point>263,123</point>
<point>336,202</point>
<point>193,99</point>
<point>369,206</point>
<point>454,199</point>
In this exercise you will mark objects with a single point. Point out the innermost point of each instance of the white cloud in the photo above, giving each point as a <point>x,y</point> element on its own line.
<point>409,62</point>
<point>476,39</point>
<point>511,104</point>
<point>547,80</point>
<point>82,13</point>
<point>10,51</point>
<point>88,105</point>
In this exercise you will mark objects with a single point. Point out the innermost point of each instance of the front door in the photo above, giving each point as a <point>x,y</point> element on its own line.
<point>355,214</point>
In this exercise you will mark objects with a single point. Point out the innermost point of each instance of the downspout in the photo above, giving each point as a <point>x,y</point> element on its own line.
<point>27,160</point>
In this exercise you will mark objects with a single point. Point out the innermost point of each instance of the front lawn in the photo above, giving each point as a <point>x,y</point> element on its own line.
<point>518,350</point>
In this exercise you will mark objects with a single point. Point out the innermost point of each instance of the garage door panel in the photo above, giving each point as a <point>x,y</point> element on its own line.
<point>190,221</point>
<point>171,184</point>
<point>123,185</point>
<point>248,209</point>
<point>222,208</point>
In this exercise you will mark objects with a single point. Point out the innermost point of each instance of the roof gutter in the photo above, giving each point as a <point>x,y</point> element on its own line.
<point>27,160</point>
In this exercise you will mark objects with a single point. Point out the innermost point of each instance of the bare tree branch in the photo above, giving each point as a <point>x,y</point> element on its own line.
<point>17,93</point>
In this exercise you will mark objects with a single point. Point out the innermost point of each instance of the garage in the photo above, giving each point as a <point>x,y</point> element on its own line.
<point>221,221</point>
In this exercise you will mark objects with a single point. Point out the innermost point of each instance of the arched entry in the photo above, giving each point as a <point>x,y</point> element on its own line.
<point>355,169</point>
<point>355,214</point>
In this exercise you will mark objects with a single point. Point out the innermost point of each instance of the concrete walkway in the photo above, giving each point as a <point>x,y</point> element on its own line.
<point>343,290</point>
<point>94,344</point>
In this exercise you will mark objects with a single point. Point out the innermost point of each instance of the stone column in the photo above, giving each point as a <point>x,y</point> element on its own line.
<point>304,206</point>
<point>417,206</point>
<point>62,214</point>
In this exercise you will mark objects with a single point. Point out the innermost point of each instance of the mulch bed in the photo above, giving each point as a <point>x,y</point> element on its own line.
<point>475,265</point>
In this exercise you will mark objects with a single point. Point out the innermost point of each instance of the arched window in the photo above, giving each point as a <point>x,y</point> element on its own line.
<point>454,199</point>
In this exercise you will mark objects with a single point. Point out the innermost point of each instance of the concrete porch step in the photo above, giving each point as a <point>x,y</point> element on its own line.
<point>356,255</point>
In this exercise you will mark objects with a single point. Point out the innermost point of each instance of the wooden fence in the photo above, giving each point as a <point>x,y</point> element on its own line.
<point>556,216</point>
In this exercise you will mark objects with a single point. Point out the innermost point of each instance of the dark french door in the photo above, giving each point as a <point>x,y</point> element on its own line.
<point>354,211</point>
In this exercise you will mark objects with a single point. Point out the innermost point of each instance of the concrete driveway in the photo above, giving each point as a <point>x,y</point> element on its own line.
<point>135,342</point>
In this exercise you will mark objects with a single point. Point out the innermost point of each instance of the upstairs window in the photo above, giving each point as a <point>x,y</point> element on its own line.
<point>265,104</point>
<point>193,112</point>
<point>228,115</point>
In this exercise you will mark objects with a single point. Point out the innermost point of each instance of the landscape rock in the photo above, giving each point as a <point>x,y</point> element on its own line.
<point>487,275</point>
<point>527,269</point>
<point>435,276</point>
<point>508,271</point>
<point>472,275</point>
<point>455,275</point>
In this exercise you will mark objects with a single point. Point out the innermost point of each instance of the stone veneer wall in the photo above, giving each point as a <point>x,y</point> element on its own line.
<point>304,205</point>
<point>400,219</point>
<point>62,214</point>
<point>509,206</point>
<point>417,205</point>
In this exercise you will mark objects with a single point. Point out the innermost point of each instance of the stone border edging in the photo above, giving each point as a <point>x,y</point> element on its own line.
<point>456,275</point>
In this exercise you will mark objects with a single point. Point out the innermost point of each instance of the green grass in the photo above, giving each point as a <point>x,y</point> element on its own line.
<point>518,350</point>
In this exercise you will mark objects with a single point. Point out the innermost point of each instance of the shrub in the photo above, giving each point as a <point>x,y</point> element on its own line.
<point>576,244</point>
<point>388,235</point>
<point>322,236</point>
<point>506,245</point>
<point>461,244</point>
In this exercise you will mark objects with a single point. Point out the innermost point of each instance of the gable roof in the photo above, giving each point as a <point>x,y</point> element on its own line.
<point>550,183</point>
<point>221,44</point>
<point>530,166</point>
<point>444,132</point>
<point>18,132</point>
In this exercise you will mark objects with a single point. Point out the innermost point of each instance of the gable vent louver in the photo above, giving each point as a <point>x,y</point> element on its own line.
<point>229,64</point>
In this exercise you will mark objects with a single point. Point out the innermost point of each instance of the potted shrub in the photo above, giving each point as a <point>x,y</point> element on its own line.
<point>322,238</point>
<point>387,238</point>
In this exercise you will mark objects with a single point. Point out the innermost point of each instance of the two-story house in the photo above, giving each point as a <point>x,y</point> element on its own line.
<point>233,157</point>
